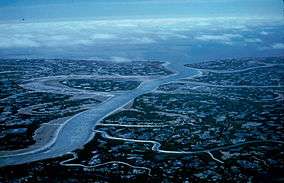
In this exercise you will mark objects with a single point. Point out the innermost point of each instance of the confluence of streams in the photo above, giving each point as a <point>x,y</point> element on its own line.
<point>78,130</point>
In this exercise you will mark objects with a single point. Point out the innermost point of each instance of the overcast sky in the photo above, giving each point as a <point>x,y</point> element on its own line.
<point>35,10</point>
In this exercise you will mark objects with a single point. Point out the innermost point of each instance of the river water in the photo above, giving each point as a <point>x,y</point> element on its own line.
<point>78,130</point>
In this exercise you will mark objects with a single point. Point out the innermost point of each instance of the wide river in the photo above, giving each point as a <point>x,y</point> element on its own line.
<point>78,130</point>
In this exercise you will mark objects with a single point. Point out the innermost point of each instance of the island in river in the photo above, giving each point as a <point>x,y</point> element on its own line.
<point>148,121</point>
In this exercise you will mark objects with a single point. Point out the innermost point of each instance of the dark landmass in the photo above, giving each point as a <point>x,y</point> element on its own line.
<point>224,125</point>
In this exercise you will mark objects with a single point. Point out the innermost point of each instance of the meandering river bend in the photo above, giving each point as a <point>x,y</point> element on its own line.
<point>77,131</point>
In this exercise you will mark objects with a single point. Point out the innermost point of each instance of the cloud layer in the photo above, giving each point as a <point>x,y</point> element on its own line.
<point>222,38</point>
<point>227,31</point>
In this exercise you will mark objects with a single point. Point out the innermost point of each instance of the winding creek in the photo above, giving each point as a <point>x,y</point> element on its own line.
<point>75,132</point>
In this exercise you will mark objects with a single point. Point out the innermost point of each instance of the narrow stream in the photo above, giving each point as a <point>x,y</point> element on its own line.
<point>78,130</point>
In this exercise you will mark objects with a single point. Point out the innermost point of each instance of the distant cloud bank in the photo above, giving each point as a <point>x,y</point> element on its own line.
<point>222,30</point>
<point>278,46</point>
<point>223,38</point>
